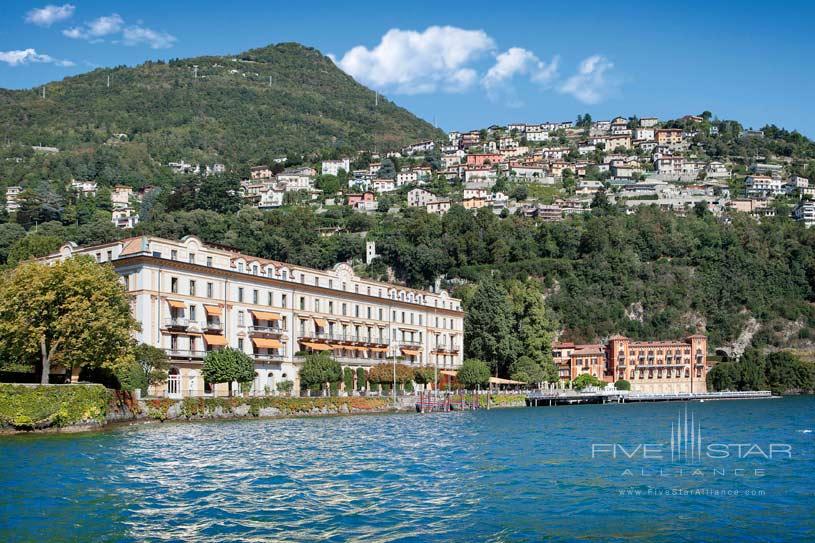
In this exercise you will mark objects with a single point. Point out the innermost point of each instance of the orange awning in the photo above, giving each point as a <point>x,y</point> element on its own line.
<point>322,323</point>
<point>265,315</point>
<point>379,349</point>
<point>317,346</point>
<point>175,304</point>
<point>337,347</point>
<point>448,372</point>
<point>213,310</point>
<point>411,352</point>
<point>215,340</point>
<point>264,343</point>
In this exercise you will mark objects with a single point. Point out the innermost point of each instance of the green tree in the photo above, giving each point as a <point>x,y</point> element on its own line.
<point>348,379</point>
<point>362,378</point>
<point>73,313</point>
<point>387,169</point>
<point>329,184</point>
<point>319,370</point>
<point>10,234</point>
<point>488,324</point>
<point>527,370</point>
<point>585,380</point>
<point>473,373</point>
<point>785,372</point>
<point>622,384</point>
<point>32,246</point>
<point>154,364</point>
<point>228,366</point>
<point>535,329</point>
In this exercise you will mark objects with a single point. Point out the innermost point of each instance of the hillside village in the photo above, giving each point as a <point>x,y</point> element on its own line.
<point>549,171</point>
<point>546,171</point>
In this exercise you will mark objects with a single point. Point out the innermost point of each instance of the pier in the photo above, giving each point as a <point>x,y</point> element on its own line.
<point>571,397</point>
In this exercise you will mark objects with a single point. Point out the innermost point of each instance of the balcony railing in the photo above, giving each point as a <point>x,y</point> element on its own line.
<point>352,338</point>
<point>214,326</point>
<point>267,330</point>
<point>447,347</point>
<point>176,323</point>
<point>185,353</point>
<point>268,357</point>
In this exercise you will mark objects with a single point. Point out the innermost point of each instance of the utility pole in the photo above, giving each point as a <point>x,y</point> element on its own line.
<point>195,71</point>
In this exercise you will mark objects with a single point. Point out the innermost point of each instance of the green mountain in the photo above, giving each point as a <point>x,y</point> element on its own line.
<point>244,109</point>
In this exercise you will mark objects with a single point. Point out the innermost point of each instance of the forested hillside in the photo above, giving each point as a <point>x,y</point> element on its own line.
<point>227,110</point>
<point>652,274</point>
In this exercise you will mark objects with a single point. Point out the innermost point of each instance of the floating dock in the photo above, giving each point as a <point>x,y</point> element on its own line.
<point>571,397</point>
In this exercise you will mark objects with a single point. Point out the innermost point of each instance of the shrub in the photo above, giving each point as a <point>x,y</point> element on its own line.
<point>384,373</point>
<point>362,378</point>
<point>285,386</point>
<point>622,384</point>
<point>319,369</point>
<point>348,379</point>
<point>30,407</point>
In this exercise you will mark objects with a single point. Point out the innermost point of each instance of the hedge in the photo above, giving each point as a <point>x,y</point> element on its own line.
<point>192,408</point>
<point>28,407</point>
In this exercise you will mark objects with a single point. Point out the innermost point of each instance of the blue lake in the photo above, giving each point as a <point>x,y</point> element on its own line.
<point>526,474</point>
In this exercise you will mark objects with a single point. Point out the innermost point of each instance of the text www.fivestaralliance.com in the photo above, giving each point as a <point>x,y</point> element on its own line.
<point>714,492</point>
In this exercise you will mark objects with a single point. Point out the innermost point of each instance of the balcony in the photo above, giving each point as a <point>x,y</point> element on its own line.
<point>267,331</point>
<point>344,338</point>
<point>267,357</point>
<point>443,347</point>
<point>185,353</point>
<point>177,323</point>
<point>213,326</point>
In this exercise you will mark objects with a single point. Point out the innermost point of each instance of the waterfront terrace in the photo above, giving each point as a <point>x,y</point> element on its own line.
<point>191,297</point>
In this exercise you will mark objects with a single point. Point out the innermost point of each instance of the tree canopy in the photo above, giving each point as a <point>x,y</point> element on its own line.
<point>227,366</point>
<point>74,313</point>
<point>473,372</point>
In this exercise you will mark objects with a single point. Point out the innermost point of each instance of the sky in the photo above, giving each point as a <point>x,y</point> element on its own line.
<point>465,65</point>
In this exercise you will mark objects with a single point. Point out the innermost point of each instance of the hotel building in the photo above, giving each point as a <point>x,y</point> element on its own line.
<point>650,366</point>
<point>191,297</point>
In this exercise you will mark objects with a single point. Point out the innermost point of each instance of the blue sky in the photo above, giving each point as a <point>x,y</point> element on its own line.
<point>470,64</point>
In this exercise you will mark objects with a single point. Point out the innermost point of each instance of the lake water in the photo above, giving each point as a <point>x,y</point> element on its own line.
<point>525,474</point>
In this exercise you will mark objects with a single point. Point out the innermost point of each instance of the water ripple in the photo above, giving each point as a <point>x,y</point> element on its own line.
<point>503,476</point>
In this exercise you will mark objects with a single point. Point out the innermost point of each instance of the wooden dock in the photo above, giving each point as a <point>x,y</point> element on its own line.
<point>572,397</point>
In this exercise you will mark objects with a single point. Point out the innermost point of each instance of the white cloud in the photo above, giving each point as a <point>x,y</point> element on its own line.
<point>451,59</point>
<point>590,84</point>
<point>513,62</point>
<point>49,15</point>
<point>30,56</point>
<point>113,25</point>
<point>135,35</point>
<point>96,29</point>
<point>412,62</point>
